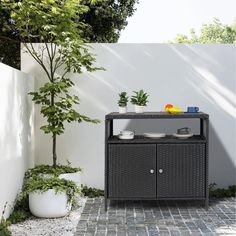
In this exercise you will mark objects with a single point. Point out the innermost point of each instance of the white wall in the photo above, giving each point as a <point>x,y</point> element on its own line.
<point>16,133</point>
<point>185,75</point>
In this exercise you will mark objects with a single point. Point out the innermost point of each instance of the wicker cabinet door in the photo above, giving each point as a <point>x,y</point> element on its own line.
<point>181,170</point>
<point>132,171</point>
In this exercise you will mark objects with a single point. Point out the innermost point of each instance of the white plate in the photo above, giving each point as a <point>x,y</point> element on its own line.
<point>154,135</point>
<point>183,136</point>
<point>125,137</point>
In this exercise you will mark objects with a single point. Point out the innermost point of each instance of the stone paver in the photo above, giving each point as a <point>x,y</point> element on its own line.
<point>154,218</point>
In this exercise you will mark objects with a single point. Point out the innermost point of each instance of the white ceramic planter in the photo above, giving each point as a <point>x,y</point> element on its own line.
<point>49,204</point>
<point>46,176</point>
<point>75,177</point>
<point>122,110</point>
<point>139,109</point>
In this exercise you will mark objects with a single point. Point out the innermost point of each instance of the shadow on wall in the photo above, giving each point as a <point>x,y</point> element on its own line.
<point>219,160</point>
<point>217,90</point>
<point>220,163</point>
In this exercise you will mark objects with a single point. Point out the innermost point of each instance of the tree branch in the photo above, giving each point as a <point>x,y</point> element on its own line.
<point>58,64</point>
<point>53,50</point>
<point>64,73</point>
<point>33,53</point>
<point>49,55</point>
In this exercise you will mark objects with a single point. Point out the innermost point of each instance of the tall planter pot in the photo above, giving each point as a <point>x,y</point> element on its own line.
<point>75,177</point>
<point>122,110</point>
<point>139,109</point>
<point>49,204</point>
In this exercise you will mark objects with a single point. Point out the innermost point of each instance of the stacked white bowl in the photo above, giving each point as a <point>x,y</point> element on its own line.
<point>126,134</point>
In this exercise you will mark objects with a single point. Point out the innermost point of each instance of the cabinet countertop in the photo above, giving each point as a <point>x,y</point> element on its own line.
<point>156,115</point>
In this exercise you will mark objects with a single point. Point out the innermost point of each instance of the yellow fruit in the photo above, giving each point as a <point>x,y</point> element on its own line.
<point>174,110</point>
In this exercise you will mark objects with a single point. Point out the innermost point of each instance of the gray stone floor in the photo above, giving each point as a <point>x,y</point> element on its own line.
<point>150,218</point>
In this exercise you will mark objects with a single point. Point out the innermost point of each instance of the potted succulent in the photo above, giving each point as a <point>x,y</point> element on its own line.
<point>122,102</point>
<point>139,100</point>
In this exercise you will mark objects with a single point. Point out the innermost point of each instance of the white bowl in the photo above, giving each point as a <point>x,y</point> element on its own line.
<point>126,133</point>
<point>125,136</point>
<point>182,136</point>
<point>154,135</point>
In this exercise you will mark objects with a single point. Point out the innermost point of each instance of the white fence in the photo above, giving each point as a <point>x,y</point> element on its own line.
<point>16,133</point>
<point>185,75</point>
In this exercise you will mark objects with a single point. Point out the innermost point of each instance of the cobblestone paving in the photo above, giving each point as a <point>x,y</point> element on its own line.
<point>151,218</point>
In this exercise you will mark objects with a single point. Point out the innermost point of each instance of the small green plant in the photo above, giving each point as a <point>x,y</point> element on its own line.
<point>18,216</point>
<point>42,185</point>
<point>140,98</point>
<point>4,231</point>
<point>47,169</point>
<point>91,192</point>
<point>21,210</point>
<point>221,192</point>
<point>123,100</point>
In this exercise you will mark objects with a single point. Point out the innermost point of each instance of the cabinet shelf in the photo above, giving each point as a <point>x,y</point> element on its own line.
<point>167,139</point>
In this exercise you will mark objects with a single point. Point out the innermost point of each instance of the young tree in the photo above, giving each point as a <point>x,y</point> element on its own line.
<point>56,24</point>
<point>214,32</point>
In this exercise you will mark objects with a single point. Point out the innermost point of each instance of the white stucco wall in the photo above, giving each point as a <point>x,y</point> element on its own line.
<point>185,75</point>
<point>16,133</point>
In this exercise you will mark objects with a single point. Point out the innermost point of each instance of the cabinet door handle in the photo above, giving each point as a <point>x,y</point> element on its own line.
<point>151,171</point>
<point>160,171</point>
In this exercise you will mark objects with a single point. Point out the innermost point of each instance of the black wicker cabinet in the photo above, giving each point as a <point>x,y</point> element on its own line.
<point>156,169</point>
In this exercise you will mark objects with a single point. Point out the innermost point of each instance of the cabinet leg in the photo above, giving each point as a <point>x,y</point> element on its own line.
<point>105,204</point>
<point>206,204</point>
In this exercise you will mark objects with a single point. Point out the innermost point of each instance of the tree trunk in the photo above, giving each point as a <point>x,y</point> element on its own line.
<point>54,146</point>
<point>54,139</point>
